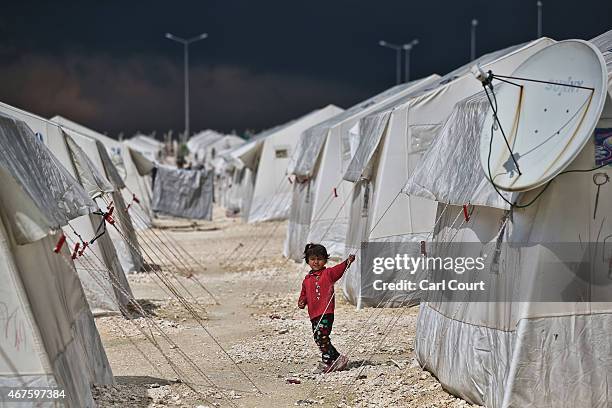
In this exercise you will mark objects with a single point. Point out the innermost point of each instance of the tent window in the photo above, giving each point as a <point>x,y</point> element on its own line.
<point>281,152</point>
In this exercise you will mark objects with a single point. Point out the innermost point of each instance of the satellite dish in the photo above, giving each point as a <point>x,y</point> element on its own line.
<point>548,119</point>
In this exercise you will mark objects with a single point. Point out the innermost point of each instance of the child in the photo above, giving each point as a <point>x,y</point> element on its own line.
<point>318,294</point>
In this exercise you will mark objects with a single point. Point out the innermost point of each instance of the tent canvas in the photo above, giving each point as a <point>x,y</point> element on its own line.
<point>272,191</point>
<point>124,240</point>
<point>392,142</point>
<point>529,353</point>
<point>101,294</point>
<point>318,164</point>
<point>50,338</point>
<point>125,160</point>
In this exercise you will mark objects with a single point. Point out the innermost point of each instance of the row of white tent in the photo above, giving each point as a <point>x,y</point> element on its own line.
<point>404,166</point>
<point>56,176</point>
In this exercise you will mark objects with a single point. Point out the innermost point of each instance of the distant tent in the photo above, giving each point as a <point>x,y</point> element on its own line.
<point>49,335</point>
<point>320,159</point>
<point>101,294</point>
<point>528,353</point>
<point>198,143</point>
<point>269,156</point>
<point>392,143</point>
<point>147,146</point>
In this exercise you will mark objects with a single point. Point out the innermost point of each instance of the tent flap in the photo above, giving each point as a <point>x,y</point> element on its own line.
<point>371,128</point>
<point>49,186</point>
<point>461,179</point>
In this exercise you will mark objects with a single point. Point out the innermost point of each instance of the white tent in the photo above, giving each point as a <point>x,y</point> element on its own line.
<point>198,143</point>
<point>132,166</point>
<point>513,352</point>
<point>150,148</point>
<point>49,335</point>
<point>392,142</point>
<point>101,294</point>
<point>318,163</point>
<point>124,240</point>
<point>270,155</point>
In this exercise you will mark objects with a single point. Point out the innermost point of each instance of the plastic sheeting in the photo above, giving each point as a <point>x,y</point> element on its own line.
<point>461,180</point>
<point>52,195</point>
<point>183,193</point>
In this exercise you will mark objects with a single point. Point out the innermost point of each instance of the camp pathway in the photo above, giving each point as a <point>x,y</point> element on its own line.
<point>258,324</point>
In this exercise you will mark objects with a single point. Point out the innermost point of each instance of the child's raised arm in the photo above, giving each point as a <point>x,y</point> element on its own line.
<point>336,272</point>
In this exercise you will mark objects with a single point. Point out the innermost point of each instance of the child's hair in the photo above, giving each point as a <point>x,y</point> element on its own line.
<point>315,250</point>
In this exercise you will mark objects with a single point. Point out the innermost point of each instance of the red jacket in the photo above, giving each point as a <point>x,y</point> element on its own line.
<point>318,289</point>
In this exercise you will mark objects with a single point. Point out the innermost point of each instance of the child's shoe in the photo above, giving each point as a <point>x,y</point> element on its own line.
<point>341,363</point>
<point>338,365</point>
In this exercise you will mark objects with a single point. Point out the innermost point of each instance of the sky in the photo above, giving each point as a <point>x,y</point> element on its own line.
<point>108,66</point>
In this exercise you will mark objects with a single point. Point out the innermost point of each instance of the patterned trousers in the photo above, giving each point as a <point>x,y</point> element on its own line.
<point>329,354</point>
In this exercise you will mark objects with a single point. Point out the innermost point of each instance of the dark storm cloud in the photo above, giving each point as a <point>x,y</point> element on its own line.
<point>144,91</point>
<point>266,62</point>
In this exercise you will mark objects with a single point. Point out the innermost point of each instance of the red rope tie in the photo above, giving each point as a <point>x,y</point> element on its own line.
<point>466,213</point>
<point>85,245</point>
<point>423,249</point>
<point>76,250</point>
<point>108,218</point>
<point>134,200</point>
<point>60,243</point>
<point>335,193</point>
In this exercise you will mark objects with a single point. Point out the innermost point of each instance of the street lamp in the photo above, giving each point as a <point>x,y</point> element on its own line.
<point>473,40</point>
<point>408,47</point>
<point>539,4</point>
<point>398,59</point>
<point>186,43</point>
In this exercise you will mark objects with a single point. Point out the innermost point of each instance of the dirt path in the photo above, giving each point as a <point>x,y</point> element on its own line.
<point>258,325</point>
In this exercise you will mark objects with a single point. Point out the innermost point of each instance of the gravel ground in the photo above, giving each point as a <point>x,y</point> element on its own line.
<point>259,327</point>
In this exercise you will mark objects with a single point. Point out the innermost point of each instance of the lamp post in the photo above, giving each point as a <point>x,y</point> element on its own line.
<point>186,43</point>
<point>539,4</point>
<point>398,59</point>
<point>408,47</point>
<point>473,40</point>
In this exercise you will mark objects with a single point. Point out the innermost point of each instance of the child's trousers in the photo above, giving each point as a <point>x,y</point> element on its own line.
<point>329,354</point>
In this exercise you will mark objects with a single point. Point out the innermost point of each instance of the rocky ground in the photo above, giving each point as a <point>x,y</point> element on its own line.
<point>208,356</point>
